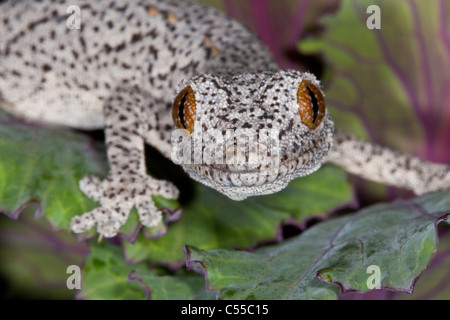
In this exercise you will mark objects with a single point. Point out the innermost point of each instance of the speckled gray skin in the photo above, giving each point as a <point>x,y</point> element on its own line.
<point>122,70</point>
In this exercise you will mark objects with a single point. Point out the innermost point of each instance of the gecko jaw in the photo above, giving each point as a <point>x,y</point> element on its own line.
<point>241,184</point>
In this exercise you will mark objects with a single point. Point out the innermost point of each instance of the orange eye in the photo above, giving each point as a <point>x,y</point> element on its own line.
<point>183,110</point>
<point>311,104</point>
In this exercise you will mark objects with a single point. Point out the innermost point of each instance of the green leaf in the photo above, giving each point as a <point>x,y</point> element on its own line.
<point>107,276</point>
<point>169,287</point>
<point>399,237</point>
<point>434,284</point>
<point>211,220</point>
<point>34,258</point>
<point>44,166</point>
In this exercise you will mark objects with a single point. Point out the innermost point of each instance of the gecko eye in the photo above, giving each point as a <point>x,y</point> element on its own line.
<point>183,110</point>
<point>311,104</point>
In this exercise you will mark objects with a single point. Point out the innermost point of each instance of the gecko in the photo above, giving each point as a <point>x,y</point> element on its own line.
<point>144,69</point>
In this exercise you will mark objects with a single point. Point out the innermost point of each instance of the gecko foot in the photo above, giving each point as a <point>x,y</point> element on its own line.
<point>117,195</point>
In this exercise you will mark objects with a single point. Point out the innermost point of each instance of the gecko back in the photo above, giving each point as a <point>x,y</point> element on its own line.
<point>52,72</point>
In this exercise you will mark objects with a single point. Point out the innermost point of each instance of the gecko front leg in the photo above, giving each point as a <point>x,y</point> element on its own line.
<point>127,185</point>
<point>387,166</point>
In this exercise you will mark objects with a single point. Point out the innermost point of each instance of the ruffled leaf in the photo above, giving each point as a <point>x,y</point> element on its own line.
<point>398,238</point>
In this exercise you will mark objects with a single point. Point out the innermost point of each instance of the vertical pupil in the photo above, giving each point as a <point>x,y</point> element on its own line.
<point>181,110</point>
<point>314,103</point>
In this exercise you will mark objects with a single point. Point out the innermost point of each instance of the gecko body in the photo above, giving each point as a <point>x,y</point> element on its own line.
<point>142,68</point>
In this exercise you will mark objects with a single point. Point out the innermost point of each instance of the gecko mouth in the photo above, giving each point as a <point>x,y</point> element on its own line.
<point>240,182</point>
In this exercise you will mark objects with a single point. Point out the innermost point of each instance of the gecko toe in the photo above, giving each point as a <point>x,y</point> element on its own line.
<point>109,228</point>
<point>163,188</point>
<point>107,220</point>
<point>83,223</point>
<point>149,214</point>
<point>91,186</point>
<point>117,195</point>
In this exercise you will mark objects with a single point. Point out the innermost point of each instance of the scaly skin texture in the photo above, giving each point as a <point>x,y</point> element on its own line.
<point>122,70</point>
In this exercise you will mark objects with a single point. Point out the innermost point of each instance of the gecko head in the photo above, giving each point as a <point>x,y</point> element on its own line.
<point>252,133</point>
